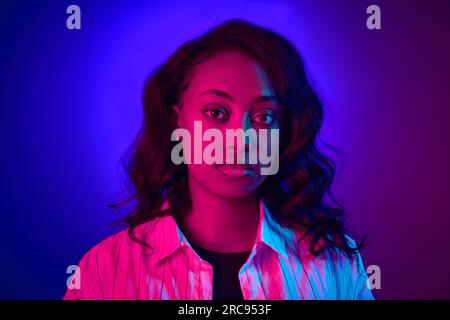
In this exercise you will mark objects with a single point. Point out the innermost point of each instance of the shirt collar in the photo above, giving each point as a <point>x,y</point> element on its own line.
<point>271,233</point>
<point>166,237</point>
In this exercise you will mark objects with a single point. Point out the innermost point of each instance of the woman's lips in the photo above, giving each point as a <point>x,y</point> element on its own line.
<point>236,170</point>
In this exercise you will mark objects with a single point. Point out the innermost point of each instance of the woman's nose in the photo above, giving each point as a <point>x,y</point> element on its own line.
<point>239,146</point>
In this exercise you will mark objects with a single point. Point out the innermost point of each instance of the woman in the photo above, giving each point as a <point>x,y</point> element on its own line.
<point>219,230</point>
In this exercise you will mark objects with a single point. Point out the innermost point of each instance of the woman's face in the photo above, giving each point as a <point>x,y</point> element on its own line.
<point>228,91</point>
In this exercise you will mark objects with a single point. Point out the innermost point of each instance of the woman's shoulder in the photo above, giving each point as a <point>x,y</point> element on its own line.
<point>331,258</point>
<point>121,244</point>
<point>302,244</point>
<point>104,265</point>
<point>344,271</point>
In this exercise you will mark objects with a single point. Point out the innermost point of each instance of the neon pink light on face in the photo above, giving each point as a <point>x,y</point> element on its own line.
<point>228,91</point>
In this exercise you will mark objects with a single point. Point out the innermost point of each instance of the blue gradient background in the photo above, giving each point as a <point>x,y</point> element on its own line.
<point>70,105</point>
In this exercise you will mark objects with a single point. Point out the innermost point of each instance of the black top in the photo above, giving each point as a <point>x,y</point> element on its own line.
<point>226,267</point>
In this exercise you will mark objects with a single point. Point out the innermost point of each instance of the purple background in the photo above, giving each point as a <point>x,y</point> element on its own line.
<point>70,105</point>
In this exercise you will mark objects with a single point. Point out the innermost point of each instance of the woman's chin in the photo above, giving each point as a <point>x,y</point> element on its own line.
<point>227,189</point>
<point>230,193</point>
<point>226,183</point>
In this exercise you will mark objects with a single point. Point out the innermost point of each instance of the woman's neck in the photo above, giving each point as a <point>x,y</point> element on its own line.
<point>221,224</point>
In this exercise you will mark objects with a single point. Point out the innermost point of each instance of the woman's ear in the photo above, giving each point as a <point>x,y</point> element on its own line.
<point>177,115</point>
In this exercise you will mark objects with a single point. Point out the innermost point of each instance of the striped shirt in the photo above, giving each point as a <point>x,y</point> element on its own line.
<point>278,267</point>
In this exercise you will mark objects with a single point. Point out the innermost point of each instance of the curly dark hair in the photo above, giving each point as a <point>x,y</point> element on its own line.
<point>295,195</point>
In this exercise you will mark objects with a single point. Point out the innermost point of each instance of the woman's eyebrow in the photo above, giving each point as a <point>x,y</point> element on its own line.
<point>223,94</point>
<point>269,98</point>
<point>219,93</point>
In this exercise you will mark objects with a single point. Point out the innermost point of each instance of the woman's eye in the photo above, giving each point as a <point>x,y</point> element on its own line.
<point>264,118</point>
<point>215,113</point>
